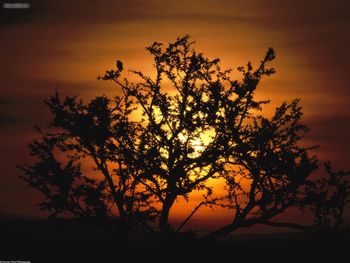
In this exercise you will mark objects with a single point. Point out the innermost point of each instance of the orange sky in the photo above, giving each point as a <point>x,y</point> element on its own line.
<point>64,46</point>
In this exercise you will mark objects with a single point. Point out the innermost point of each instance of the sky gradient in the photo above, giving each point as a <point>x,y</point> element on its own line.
<point>65,46</point>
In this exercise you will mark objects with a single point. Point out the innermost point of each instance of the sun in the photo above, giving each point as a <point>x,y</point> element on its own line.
<point>197,144</point>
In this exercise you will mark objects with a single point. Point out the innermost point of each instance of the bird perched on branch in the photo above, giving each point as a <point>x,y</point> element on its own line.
<point>119,65</point>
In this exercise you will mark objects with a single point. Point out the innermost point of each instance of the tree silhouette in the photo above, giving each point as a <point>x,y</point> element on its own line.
<point>325,198</point>
<point>170,134</point>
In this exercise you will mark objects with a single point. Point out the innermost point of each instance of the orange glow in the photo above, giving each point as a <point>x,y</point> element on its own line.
<point>70,45</point>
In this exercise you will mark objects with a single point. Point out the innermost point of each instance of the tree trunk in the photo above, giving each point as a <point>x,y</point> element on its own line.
<point>164,217</point>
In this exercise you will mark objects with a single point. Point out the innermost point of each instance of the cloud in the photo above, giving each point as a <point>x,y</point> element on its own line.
<point>6,118</point>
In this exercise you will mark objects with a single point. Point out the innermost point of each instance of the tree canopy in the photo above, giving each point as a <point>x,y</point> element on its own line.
<point>169,134</point>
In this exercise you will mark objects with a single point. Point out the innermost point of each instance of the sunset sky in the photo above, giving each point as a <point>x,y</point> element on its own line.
<point>66,45</point>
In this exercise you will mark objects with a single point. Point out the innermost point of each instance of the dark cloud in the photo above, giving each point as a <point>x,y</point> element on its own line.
<point>5,101</point>
<point>6,118</point>
<point>85,12</point>
<point>331,133</point>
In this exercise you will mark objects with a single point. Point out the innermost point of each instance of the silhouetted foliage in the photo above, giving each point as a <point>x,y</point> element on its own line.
<point>326,198</point>
<point>166,136</point>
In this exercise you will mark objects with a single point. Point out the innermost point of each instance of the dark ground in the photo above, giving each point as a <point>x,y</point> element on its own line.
<point>47,241</point>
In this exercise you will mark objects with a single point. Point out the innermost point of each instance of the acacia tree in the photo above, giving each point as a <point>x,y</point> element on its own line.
<point>197,124</point>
